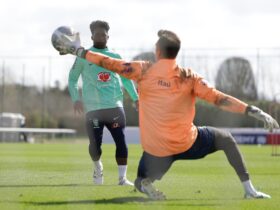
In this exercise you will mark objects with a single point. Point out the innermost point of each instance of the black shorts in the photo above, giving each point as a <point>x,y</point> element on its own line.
<point>155,167</point>
<point>114,120</point>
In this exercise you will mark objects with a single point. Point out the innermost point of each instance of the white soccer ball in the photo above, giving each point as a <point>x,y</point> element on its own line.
<point>60,37</point>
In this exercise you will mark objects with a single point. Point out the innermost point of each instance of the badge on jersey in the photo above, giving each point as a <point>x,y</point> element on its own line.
<point>104,76</point>
<point>95,123</point>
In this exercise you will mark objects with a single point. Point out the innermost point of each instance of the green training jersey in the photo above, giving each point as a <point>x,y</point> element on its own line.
<point>101,88</point>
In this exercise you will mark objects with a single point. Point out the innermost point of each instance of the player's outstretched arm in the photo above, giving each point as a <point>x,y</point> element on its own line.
<point>71,45</point>
<point>229,103</point>
<point>130,70</point>
<point>233,104</point>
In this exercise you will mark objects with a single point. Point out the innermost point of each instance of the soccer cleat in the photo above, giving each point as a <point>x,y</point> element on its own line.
<point>257,195</point>
<point>151,191</point>
<point>123,181</point>
<point>98,176</point>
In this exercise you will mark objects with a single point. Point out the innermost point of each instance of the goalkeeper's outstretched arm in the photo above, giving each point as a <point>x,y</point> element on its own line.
<point>229,103</point>
<point>130,70</point>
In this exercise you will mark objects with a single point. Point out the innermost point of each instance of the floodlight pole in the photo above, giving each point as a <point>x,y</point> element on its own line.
<point>22,89</point>
<point>274,110</point>
<point>3,87</point>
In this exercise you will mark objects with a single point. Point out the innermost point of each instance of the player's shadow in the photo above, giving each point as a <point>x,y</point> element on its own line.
<point>123,200</point>
<point>119,200</point>
<point>44,185</point>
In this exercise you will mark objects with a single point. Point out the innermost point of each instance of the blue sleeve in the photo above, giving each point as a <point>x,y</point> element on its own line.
<point>73,78</point>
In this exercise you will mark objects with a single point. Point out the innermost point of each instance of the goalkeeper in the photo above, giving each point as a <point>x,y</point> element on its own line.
<point>167,95</point>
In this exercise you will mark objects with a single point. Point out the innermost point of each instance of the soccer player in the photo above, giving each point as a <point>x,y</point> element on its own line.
<point>102,98</point>
<point>167,95</point>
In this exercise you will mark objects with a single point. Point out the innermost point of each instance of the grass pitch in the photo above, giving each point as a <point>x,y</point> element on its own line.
<point>59,176</point>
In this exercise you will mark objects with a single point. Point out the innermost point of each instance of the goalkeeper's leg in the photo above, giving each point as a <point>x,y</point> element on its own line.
<point>152,168</point>
<point>224,141</point>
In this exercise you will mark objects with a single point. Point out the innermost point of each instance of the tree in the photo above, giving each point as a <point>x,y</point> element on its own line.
<point>235,77</point>
<point>145,56</point>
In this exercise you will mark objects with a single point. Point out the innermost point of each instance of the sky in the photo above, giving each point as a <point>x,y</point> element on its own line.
<point>26,26</point>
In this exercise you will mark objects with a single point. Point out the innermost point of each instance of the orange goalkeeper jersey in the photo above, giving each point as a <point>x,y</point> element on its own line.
<point>167,102</point>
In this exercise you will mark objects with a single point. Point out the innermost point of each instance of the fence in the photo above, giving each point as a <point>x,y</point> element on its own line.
<point>46,71</point>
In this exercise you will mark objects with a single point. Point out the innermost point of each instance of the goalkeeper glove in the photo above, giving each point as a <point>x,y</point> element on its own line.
<point>269,122</point>
<point>71,45</point>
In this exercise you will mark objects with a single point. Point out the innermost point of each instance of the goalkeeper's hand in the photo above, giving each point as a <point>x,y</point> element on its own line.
<point>269,122</point>
<point>71,45</point>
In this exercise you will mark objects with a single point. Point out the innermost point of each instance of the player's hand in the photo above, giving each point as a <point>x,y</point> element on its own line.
<point>71,45</point>
<point>269,122</point>
<point>136,105</point>
<point>78,107</point>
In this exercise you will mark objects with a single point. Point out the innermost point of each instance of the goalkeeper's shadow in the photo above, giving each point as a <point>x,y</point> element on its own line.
<point>127,200</point>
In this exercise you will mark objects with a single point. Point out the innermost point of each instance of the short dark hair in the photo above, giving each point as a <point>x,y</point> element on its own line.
<point>99,24</point>
<point>168,43</point>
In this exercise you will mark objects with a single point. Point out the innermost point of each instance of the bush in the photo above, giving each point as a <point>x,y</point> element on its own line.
<point>39,120</point>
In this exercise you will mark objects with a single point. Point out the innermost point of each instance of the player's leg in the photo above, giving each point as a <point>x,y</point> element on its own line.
<point>224,141</point>
<point>94,129</point>
<point>210,140</point>
<point>115,122</point>
<point>151,168</point>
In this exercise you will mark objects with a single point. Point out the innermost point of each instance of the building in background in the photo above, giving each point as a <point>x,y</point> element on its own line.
<point>11,120</point>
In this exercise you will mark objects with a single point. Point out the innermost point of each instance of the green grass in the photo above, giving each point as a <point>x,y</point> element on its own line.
<point>59,176</point>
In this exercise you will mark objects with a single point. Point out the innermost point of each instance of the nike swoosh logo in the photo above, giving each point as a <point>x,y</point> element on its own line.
<point>115,118</point>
